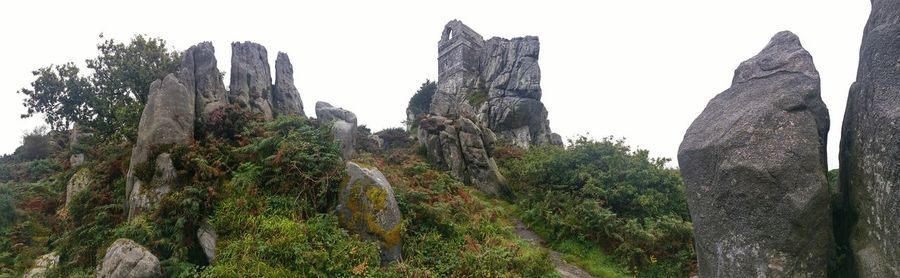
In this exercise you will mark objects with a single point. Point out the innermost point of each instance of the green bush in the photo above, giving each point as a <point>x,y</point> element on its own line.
<point>7,207</point>
<point>605,193</point>
<point>420,102</point>
<point>395,138</point>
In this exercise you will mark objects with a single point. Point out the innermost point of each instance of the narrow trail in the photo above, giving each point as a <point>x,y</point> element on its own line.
<point>565,269</point>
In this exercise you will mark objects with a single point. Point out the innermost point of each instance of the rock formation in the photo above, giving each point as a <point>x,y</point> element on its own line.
<point>146,193</point>
<point>869,152</point>
<point>207,237</point>
<point>168,118</point>
<point>83,179</point>
<point>251,79</point>
<point>465,149</point>
<point>343,126</point>
<point>125,258</point>
<point>755,169</point>
<point>41,265</point>
<point>285,97</point>
<point>199,73</point>
<point>367,207</point>
<point>496,82</point>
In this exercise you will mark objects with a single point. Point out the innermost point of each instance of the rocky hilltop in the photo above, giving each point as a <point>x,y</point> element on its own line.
<point>496,83</point>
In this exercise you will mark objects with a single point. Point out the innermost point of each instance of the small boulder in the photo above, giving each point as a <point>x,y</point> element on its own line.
<point>207,236</point>
<point>41,265</point>
<point>343,126</point>
<point>367,207</point>
<point>125,258</point>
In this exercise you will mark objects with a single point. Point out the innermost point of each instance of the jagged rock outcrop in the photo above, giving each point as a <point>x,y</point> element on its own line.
<point>366,206</point>
<point>207,237</point>
<point>200,74</point>
<point>465,149</point>
<point>285,97</point>
<point>168,118</point>
<point>125,258</point>
<point>251,78</point>
<point>869,152</point>
<point>41,265</point>
<point>755,169</point>
<point>343,126</point>
<point>496,82</point>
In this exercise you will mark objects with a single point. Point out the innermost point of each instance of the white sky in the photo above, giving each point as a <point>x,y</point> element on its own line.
<point>642,70</point>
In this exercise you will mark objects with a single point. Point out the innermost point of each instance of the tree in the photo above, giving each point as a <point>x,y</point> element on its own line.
<point>420,102</point>
<point>109,100</point>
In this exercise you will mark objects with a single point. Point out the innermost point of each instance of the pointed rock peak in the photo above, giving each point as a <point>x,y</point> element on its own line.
<point>783,53</point>
<point>251,79</point>
<point>285,98</point>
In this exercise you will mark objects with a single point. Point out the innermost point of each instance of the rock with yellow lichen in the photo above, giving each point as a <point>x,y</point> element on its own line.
<point>367,207</point>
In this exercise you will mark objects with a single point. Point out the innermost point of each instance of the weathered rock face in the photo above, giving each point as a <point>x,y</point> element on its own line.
<point>207,236</point>
<point>125,258</point>
<point>168,118</point>
<point>285,97</point>
<point>199,73</point>
<point>755,169</point>
<point>83,179</point>
<point>367,207</point>
<point>869,152</point>
<point>251,78</point>
<point>465,149</point>
<point>41,265</point>
<point>146,193</point>
<point>496,82</point>
<point>344,126</point>
<point>77,138</point>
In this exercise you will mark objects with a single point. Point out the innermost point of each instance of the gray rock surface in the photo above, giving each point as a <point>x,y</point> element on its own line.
<point>168,118</point>
<point>465,149</point>
<point>367,207</point>
<point>201,76</point>
<point>41,265</point>
<point>869,152</point>
<point>344,126</point>
<point>125,258</point>
<point>207,236</point>
<point>755,170</point>
<point>285,97</point>
<point>251,78</point>
<point>496,82</point>
<point>145,194</point>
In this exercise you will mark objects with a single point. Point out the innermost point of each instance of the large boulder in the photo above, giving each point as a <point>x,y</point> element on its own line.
<point>285,97</point>
<point>168,118</point>
<point>755,169</point>
<point>496,82</point>
<point>869,152</point>
<point>465,149</point>
<point>41,265</point>
<point>367,207</point>
<point>127,259</point>
<point>343,126</point>
<point>201,76</point>
<point>251,78</point>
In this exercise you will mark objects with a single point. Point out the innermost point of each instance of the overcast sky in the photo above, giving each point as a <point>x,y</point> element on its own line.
<point>642,70</point>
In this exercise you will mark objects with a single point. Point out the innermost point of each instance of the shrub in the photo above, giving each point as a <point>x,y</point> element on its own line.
<point>395,138</point>
<point>607,194</point>
<point>7,207</point>
<point>420,102</point>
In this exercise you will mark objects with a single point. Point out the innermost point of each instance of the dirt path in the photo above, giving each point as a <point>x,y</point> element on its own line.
<point>565,269</point>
